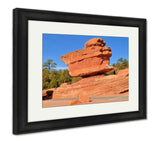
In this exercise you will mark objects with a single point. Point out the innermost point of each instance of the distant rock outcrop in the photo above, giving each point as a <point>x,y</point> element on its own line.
<point>91,60</point>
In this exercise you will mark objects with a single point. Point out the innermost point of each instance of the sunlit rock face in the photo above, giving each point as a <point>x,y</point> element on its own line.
<point>94,86</point>
<point>91,60</point>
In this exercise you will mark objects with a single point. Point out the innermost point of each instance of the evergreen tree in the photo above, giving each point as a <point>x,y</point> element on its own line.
<point>49,65</point>
<point>121,64</point>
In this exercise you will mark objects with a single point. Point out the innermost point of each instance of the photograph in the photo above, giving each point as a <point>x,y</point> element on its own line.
<point>73,70</point>
<point>84,69</point>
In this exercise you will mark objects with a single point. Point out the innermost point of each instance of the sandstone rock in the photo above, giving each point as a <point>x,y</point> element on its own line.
<point>95,86</point>
<point>91,60</point>
<point>44,93</point>
<point>124,71</point>
<point>64,84</point>
<point>95,42</point>
<point>83,98</point>
<point>73,102</point>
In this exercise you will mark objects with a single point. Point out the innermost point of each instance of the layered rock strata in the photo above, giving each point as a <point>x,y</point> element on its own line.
<point>91,60</point>
<point>93,89</point>
<point>95,86</point>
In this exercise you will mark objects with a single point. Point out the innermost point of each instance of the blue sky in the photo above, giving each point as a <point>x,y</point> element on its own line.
<point>56,45</point>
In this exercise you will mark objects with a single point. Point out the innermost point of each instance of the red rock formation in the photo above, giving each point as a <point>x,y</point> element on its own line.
<point>93,89</point>
<point>83,98</point>
<point>95,42</point>
<point>91,60</point>
<point>95,86</point>
<point>73,102</point>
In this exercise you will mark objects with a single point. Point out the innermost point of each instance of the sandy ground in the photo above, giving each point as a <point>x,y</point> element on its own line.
<point>63,102</point>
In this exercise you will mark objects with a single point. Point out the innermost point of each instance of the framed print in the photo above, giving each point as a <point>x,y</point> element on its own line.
<point>72,70</point>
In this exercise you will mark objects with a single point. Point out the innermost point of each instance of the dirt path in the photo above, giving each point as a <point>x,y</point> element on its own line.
<point>63,102</point>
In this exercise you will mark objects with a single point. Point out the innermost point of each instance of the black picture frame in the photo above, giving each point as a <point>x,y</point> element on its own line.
<point>20,70</point>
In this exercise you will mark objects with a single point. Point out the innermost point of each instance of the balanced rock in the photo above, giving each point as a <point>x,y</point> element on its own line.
<point>91,60</point>
<point>95,42</point>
